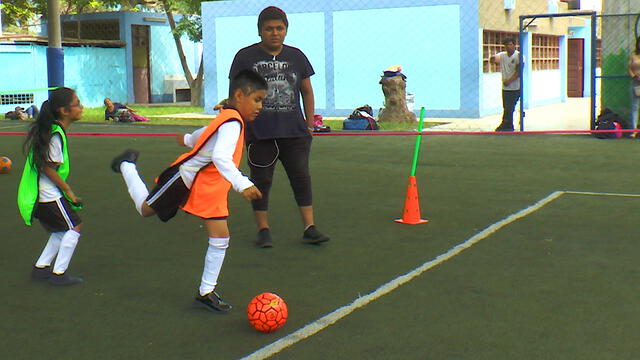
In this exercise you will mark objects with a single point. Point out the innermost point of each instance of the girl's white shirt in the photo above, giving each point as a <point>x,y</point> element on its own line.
<point>48,191</point>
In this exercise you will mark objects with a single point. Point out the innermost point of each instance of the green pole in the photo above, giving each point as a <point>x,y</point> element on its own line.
<point>416,150</point>
<point>26,90</point>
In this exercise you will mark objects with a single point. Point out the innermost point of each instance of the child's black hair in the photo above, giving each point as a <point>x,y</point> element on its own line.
<point>248,81</point>
<point>272,13</point>
<point>39,134</point>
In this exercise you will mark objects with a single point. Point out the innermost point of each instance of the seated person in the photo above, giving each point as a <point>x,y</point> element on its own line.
<point>32,111</point>
<point>120,112</point>
<point>17,114</point>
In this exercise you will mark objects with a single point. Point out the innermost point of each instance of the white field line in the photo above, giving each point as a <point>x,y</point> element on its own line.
<point>599,194</point>
<point>331,318</point>
<point>10,126</point>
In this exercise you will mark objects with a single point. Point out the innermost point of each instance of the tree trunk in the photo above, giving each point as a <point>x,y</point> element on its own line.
<point>395,100</point>
<point>194,84</point>
<point>196,88</point>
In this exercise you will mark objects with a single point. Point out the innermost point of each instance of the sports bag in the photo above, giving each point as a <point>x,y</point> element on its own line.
<point>608,120</point>
<point>361,119</point>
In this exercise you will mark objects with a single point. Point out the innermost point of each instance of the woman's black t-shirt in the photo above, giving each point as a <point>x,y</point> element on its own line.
<point>281,114</point>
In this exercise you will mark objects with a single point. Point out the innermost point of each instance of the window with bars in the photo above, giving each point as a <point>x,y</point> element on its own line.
<point>92,30</point>
<point>492,44</point>
<point>15,99</point>
<point>545,52</point>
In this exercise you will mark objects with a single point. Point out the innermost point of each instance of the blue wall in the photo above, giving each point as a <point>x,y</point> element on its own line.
<point>165,61</point>
<point>25,67</point>
<point>350,43</point>
<point>163,54</point>
<point>20,66</point>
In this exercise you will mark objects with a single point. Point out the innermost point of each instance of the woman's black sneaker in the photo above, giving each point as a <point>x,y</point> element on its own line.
<point>264,239</point>
<point>313,236</point>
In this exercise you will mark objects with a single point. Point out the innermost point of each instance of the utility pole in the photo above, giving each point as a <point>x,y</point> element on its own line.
<point>55,53</point>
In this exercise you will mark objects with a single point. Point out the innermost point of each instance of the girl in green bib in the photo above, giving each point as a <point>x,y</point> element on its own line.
<point>43,192</point>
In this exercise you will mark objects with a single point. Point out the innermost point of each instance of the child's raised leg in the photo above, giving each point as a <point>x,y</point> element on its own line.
<point>125,164</point>
<point>218,242</point>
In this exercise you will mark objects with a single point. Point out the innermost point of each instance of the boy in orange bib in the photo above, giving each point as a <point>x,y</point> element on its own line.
<point>198,181</point>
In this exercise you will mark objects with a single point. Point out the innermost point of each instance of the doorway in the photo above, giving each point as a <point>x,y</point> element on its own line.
<point>140,55</point>
<point>575,68</point>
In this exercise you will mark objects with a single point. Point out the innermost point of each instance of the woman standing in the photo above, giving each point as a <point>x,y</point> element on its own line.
<point>634,73</point>
<point>282,131</point>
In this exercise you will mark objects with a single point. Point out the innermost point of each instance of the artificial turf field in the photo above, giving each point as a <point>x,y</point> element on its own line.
<point>560,282</point>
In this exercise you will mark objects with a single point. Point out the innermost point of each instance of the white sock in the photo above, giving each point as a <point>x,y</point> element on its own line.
<point>50,250</point>
<point>67,247</point>
<point>213,263</point>
<point>136,187</point>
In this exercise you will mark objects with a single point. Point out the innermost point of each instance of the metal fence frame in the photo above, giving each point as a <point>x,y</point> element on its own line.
<point>602,17</point>
<point>524,24</point>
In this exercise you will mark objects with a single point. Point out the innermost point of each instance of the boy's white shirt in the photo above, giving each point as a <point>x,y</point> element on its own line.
<point>47,190</point>
<point>218,150</point>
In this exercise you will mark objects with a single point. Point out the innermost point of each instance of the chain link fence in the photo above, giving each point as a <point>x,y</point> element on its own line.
<point>443,47</point>
<point>619,34</point>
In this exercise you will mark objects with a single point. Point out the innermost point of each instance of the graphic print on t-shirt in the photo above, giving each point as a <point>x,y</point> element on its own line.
<point>282,82</point>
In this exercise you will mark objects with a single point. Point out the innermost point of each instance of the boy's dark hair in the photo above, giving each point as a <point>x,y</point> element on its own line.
<point>248,81</point>
<point>508,40</point>
<point>272,13</point>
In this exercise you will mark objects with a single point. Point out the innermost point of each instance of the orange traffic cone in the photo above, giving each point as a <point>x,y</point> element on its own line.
<point>411,213</point>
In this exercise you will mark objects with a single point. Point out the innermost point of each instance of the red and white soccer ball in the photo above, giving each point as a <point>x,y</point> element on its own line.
<point>267,312</point>
<point>5,165</point>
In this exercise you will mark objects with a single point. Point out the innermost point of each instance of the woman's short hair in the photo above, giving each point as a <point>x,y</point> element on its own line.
<point>272,13</point>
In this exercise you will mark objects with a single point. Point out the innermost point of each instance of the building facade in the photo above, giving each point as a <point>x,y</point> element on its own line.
<point>442,46</point>
<point>130,57</point>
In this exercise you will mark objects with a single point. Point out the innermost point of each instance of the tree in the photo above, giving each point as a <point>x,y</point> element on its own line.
<point>190,25</point>
<point>19,12</point>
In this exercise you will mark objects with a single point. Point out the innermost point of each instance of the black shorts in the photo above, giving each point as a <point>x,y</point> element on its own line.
<point>169,194</point>
<point>57,215</point>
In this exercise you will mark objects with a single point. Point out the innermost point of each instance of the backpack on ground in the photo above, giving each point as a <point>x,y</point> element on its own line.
<point>361,119</point>
<point>609,120</point>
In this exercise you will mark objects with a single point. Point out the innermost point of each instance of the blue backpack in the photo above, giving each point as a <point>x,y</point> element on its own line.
<point>361,119</point>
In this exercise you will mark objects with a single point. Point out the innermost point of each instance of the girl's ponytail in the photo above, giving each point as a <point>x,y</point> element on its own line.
<point>39,134</point>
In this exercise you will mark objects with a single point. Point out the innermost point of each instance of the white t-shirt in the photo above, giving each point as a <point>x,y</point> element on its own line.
<point>218,149</point>
<point>508,65</point>
<point>48,191</point>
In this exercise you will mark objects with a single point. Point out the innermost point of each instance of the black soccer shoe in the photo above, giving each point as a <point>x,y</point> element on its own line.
<point>264,239</point>
<point>64,280</point>
<point>313,236</point>
<point>41,273</point>
<point>213,302</point>
<point>128,156</point>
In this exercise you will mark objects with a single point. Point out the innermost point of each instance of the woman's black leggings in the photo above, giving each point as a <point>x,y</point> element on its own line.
<point>293,153</point>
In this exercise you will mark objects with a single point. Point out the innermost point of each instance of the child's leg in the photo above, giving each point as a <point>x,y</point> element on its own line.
<point>136,187</point>
<point>67,247</point>
<point>218,243</point>
<point>50,250</point>
<point>137,117</point>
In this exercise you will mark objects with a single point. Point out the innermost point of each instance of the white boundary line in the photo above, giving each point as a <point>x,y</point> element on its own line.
<point>334,316</point>
<point>10,126</point>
